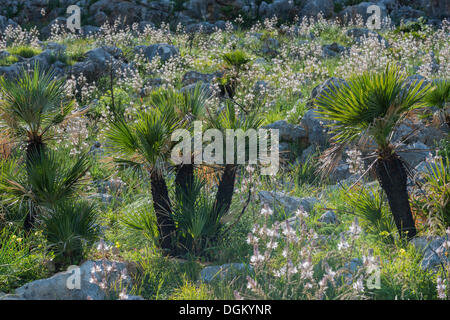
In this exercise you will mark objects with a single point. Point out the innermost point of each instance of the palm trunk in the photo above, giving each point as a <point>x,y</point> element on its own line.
<point>163,211</point>
<point>33,151</point>
<point>225,190</point>
<point>184,179</point>
<point>391,174</point>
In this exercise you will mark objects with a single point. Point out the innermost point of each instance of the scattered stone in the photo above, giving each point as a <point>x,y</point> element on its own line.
<point>191,77</point>
<point>314,7</point>
<point>59,286</point>
<point>430,248</point>
<point>328,217</point>
<point>163,50</point>
<point>278,200</point>
<point>224,271</point>
<point>414,153</point>
<point>332,50</point>
<point>315,128</point>
<point>288,132</point>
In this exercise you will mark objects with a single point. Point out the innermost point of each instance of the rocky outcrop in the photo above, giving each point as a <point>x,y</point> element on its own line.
<point>78,283</point>
<point>163,50</point>
<point>280,202</point>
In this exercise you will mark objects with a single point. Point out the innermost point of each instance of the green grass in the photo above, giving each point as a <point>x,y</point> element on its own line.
<point>9,60</point>
<point>24,51</point>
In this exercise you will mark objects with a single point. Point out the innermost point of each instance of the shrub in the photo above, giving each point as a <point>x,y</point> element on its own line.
<point>190,291</point>
<point>370,206</point>
<point>24,52</point>
<point>21,258</point>
<point>70,229</point>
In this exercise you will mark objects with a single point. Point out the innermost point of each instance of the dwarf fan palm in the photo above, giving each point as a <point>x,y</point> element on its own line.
<point>189,106</point>
<point>225,120</point>
<point>32,105</point>
<point>50,179</point>
<point>146,144</point>
<point>369,107</point>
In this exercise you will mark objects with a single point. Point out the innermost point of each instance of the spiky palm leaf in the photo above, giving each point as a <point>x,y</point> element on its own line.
<point>32,104</point>
<point>70,227</point>
<point>50,179</point>
<point>369,105</point>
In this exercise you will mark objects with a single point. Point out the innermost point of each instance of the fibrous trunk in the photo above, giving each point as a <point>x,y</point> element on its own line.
<point>163,211</point>
<point>225,190</point>
<point>184,178</point>
<point>34,151</point>
<point>391,174</point>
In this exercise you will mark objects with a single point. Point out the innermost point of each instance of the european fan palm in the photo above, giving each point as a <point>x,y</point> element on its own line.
<point>146,143</point>
<point>189,106</point>
<point>369,107</point>
<point>48,179</point>
<point>70,227</point>
<point>32,105</point>
<point>227,119</point>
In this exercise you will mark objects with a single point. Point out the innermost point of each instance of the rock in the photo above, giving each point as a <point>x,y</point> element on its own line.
<point>98,62</point>
<point>414,153</point>
<point>315,128</point>
<point>59,23</point>
<point>403,132</point>
<point>340,173</point>
<point>332,50</point>
<point>56,48</point>
<point>5,22</point>
<point>307,154</point>
<point>89,30</point>
<point>224,271</point>
<point>163,50</point>
<point>150,85</point>
<point>112,185</point>
<point>430,248</point>
<point>430,135</point>
<point>205,10</point>
<point>278,200</point>
<point>328,217</point>
<point>358,34</point>
<point>288,132</point>
<point>134,298</point>
<point>201,27</point>
<point>10,72</point>
<point>326,85</point>
<point>97,149</point>
<point>270,47</point>
<point>11,297</point>
<point>129,11</point>
<point>191,77</point>
<point>314,7</point>
<point>405,13</point>
<point>282,9</point>
<point>4,54</point>
<point>260,88</point>
<point>438,9</point>
<point>63,285</point>
<point>100,18</point>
